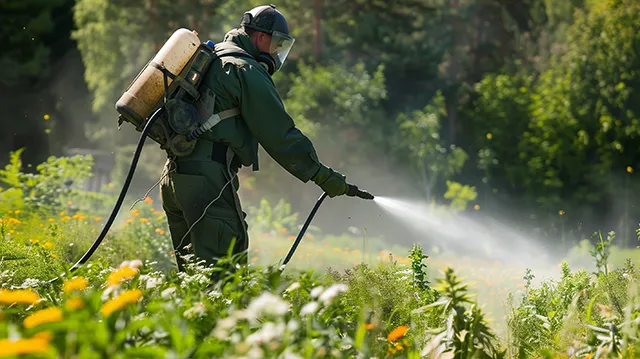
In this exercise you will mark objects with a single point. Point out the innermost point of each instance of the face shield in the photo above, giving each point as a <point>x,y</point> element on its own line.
<point>280,46</point>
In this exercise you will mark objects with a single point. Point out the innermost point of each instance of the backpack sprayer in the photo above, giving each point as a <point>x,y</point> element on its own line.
<point>167,89</point>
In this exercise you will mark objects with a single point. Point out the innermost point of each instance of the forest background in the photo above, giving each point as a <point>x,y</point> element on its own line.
<point>525,111</point>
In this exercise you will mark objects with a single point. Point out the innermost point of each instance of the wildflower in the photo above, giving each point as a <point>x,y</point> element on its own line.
<point>291,238</point>
<point>369,326</point>
<point>135,213</point>
<point>51,220</point>
<point>49,315</point>
<point>489,136</point>
<point>197,310</point>
<point>65,219</point>
<point>33,241</point>
<point>53,255</point>
<point>17,211</point>
<point>18,296</point>
<point>266,304</point>
<point>160,231</point>
<point>476,207</point>
<point>77,283</point>
<point>69,203</point>
<point>221,331</point>
<point>309,308</point>
<point>23,346</point>
<point>98,219</point>
<point>74,303</point>
<point>46,117</point>
<point>327,296</point>
<point>14,221</point>
<point>144,220</point>
<point>561,212</point>
<point>121,301</point>
<point>267,333</point>
<point>629,169</point>
<point>292,287</point>
<point>398,333</point>
<point>120,274</point>
<point>48,245</point>
<point>316,291</point>
<point>282,230</point>
<point>136,264</point>
<point>148,200</point>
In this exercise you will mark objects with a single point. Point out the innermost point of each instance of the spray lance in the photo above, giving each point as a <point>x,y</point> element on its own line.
<point>353,191</point>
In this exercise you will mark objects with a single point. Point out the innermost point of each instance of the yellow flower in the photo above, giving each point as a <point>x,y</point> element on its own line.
<point>77,283</point>
<point>489,136</point>
<point>144,220</point>
<point>53,255</point>
<point>65,218</point>
<point>13,221</point>
<point>398,333</point>
<point>48,245</point>
<point>46,117</point>
<point>69,203</point>
<point>148,200</point>
<point>17,211</point>
<point>121,274</point>
<point>18,296</point>
<point>629,169</point>
<point>23,346</point>
<point>63,213</point>
<point>159,218</point>
<point>135,213</point>
<point>74,303</point>
<point>49,315</point>
<point>121,301</point>
<point>98,219</point>
<point>33,241</point>
<point>160,231</point>
<point>476,207</point>
<point>561,212</point>
<point>51,220</point>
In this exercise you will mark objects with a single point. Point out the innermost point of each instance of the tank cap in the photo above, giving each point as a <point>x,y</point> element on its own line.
<point>210,43</point>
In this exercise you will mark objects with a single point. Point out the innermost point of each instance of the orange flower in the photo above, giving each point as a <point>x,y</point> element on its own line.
<point>77,283</point>
<point>121,301</point>
<point>148,200</point>
<point>18,296</point>
<point>121,274</point>
<point>43,316</point>
<point>370,326</point>
<point>23,346</point>
<point>398,333</point>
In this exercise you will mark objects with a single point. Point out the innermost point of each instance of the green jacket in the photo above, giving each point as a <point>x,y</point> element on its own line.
<point>243,83</point>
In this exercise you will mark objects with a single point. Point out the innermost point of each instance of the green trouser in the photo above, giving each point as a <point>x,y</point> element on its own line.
<point>188,186</point>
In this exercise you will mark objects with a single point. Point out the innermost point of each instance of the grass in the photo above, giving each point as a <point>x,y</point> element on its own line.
<point>332,300</point>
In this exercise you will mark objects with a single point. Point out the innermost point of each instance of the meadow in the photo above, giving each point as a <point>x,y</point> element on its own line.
<point>343,296</point>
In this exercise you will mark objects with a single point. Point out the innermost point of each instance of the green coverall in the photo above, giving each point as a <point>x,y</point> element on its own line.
<point>191,182</point>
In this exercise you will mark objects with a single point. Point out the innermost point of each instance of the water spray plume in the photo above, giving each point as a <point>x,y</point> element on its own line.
<point>458,232</point>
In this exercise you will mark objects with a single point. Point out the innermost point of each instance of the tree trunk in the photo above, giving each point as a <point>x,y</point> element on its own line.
<point>317,29</point>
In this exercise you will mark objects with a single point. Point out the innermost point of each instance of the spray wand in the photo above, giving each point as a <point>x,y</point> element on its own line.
<point>352,192</point>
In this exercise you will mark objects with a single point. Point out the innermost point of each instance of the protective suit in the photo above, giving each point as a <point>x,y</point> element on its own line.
<point>190,183</point>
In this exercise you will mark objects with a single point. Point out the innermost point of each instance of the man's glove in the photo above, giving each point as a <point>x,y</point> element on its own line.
<point>332,182</point>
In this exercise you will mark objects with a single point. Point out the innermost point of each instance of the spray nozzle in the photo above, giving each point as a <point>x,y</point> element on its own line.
<point>354,191</point>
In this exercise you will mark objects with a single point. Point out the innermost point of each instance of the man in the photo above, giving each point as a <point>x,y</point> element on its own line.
<point>199,191</point>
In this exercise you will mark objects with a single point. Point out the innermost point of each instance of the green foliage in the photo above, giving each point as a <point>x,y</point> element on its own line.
<point>428,154</point>
<point>460,195</point>
<point>466,333</point>
<point>56,183</point>
<point>24,36</point>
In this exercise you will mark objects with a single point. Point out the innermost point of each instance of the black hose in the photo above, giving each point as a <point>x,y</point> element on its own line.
<point>123,192</point>
<point>304,228</point>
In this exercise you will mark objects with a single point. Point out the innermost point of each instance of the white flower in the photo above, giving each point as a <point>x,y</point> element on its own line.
<point>151,282</point>
<point>316,291</point>
<point>266,304</point>
<point>293,325</point>
<point>267,333</point>
<point>309,308</point>
<point>197,310</point>
<point>30,283</point>
<point>255,352</point>
<point>327,296</point>
<point>221,331</point>
<point>288,354</point>
<point>167,293</point>
<point>293,286</point>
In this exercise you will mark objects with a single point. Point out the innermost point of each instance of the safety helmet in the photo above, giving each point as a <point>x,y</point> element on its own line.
<point>268,19</point>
